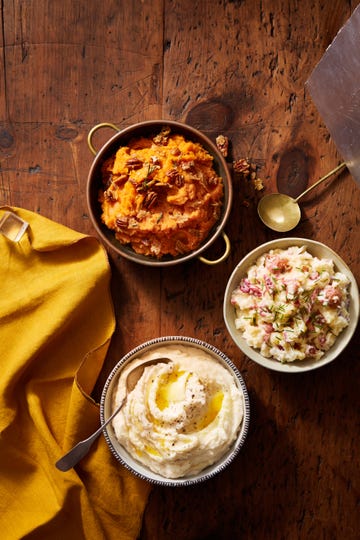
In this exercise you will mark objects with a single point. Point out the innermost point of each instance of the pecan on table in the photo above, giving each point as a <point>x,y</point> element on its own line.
<point>222,144</point>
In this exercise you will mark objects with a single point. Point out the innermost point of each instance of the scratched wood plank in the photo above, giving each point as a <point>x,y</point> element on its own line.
<point>68,66</point>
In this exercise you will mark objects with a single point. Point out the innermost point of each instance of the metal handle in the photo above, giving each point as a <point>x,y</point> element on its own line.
<point>223,257</point>
<point>69,460</point>
<point>338,168</point>
<point>96,128</point>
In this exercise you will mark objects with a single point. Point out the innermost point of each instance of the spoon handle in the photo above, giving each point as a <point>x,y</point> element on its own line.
<point>80,450</point>
<point>338,168</point>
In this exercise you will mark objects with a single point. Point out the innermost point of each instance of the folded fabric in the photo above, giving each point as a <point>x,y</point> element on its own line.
<point>56,321</point>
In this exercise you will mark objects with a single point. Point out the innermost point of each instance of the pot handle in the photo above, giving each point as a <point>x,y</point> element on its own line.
<point>223,256</point>
<point>94,129</point>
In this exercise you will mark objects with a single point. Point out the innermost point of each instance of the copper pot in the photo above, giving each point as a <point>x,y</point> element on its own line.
<point>94,184</point>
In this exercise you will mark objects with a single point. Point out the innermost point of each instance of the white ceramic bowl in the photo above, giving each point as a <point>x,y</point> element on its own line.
<point>126,459</point>
<point>316,249</point>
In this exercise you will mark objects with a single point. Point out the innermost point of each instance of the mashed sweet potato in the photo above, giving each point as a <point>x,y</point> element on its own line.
<point>161,194</point>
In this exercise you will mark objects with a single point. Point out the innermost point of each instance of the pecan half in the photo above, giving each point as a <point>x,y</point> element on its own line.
<point>222,143</point>
<point>161,185</point>
<point>134,163</point>
<point>121,179</point>
<point>122,222</point>
<point>175,178</point>
<point>150,199</point>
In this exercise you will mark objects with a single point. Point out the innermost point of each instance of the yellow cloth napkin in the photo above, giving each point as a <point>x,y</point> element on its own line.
<point>56,321</point>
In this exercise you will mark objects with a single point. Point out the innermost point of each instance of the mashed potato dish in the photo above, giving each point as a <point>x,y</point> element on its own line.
<point>291,305</point>
<point>181,417</point>
<point>161,194</point>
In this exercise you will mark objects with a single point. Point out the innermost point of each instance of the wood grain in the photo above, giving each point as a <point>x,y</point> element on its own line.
<point>236,67</point>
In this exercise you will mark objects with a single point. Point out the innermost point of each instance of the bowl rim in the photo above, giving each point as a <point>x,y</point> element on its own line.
<point>299,366</point>
<point>193,134</point>
<point>144,472</point>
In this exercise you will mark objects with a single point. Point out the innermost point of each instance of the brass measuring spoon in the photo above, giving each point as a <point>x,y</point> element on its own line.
<point>70,459</point>
<point>281,212</point>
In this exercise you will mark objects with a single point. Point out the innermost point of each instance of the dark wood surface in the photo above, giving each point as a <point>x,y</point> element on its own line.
<point>231,67</point>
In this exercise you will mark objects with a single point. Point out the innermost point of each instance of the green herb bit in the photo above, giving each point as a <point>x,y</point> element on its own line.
<point>151,169</point>
<point>307,294</point>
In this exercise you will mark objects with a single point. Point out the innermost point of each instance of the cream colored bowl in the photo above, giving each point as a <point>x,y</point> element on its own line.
<point>126,459</point>
<point>316,249</point>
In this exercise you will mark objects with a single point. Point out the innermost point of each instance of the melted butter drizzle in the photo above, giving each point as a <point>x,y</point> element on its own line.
<point>172,390</point>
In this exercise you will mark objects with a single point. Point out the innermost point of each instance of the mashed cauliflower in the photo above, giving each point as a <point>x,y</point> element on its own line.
<point>291,305</point>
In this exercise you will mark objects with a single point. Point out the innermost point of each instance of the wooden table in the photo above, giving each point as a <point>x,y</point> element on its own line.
<point>236,68</point>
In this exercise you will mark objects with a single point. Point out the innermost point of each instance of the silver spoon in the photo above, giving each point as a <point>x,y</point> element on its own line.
<point>281,212</point>
<point>70,459</point>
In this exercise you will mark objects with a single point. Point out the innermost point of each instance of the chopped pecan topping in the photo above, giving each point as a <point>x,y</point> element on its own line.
<point>203,182</point>
<point>180,247</point>
<point>222,143</point>
<point>150,199</point>
<point>122,222</point>
<point>109,196</point>
<point>134,163</point>
<point>119,180</point>
<point>163,136</point>
<point>155,162</point>
<point>207,182</point>
<point>212,181</point>
<point>175,178</point>
<point>141,215</point>
<point>161,185</point>
<point>187,165</point>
